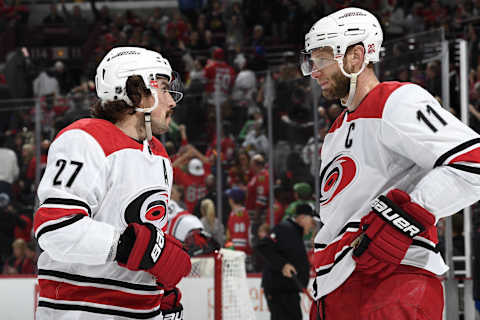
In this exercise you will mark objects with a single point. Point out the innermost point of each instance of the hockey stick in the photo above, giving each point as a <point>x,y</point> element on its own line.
<point>301,287</point>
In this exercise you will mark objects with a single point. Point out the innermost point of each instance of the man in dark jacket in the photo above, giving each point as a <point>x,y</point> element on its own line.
<point>285,256</point>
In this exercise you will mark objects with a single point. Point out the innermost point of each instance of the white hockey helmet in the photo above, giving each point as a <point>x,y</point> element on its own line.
<point>122,62</point>
<point>340,30</point>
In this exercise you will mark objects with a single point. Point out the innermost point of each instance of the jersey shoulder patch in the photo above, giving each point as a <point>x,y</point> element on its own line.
<point>108,136</point>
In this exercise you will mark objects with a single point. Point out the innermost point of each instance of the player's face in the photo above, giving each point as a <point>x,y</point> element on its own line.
<point>329,76</point>
<point>162,115</point>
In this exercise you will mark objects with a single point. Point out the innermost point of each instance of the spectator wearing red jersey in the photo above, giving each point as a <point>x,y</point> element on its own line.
<point>257,189</point>
<point>19,263</point>
<point>239,172</point>
<point>238,227</point>
<point>24,230</point>
<point>220,77</point>
<point>31,170</point>
<point>193,179</point>
<point>179,25</point>
<point>279,204</point>
<point>227,145</point>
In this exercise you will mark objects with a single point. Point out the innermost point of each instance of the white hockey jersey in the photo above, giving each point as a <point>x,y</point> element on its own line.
<point>97,181</point>
<point>398,137</point>
<point>181,222</point>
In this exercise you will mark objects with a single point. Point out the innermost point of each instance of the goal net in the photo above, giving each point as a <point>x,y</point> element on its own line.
<point>231,296</point>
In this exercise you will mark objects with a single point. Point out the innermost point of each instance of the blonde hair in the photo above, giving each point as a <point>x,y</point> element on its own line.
<point>207,209</point>
<point>20,243</point>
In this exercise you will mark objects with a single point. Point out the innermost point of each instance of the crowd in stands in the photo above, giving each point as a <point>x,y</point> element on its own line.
<point>238,54</point>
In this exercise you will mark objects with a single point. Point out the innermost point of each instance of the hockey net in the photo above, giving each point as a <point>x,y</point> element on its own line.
<point>231,296</point>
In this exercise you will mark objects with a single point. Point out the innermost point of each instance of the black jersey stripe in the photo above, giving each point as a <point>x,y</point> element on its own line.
<point>355,225</point>
<point>59,225</point>
<point>455,150</point>
<point>425,245</point>
<point>465,168</point>
<point>68,202</point>
<point>320,245</point>
<point>339,258</point>
<point>103,281</point>
<point>77,307</point>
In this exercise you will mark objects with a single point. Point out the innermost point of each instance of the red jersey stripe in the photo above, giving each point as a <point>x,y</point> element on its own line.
<point>69,292</point>
<point>49,214</point>
<point>327,256</point>
<point>470,156</point>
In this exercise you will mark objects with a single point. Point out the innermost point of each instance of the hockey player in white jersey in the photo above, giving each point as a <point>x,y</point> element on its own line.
<point>393,163</point>
<point>104,198</point>
<point>189,230</point>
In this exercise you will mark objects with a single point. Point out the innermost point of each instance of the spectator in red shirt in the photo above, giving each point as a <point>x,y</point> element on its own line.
<point>238,226</point>
<point>257,189</point>
<point>19,263</point>
<point>24,231</point>
<point>43,161</point>
<point>279,204</point>
<point>227,146</point>
<point>220,77</point>
<point>239,173</point>
<point>193,181</point>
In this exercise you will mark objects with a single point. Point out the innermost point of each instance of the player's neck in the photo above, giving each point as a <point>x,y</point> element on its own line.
<point>133,127</point>
<point>365,83</point>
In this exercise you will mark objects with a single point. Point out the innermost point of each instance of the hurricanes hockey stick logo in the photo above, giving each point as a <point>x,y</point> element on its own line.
<point>336,176</point>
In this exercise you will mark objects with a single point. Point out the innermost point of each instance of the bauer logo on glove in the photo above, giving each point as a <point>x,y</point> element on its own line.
<point>390,212</point>
<point>387,232</point>
<point>158,247</point>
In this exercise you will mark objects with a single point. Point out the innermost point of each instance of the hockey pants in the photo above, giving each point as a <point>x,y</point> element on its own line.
<point>409,293</point>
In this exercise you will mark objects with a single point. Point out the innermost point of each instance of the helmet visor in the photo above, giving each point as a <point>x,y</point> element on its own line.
<point>175,85</point>
<point>309,64</point>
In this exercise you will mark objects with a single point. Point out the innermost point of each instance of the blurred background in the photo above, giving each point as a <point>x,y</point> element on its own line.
<point>249,120</point>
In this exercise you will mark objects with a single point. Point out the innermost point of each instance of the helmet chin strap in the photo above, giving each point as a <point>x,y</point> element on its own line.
<point>353,84</point>
<point>148,115</point>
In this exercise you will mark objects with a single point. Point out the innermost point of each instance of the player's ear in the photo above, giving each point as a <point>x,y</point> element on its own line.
<point>354,58</point>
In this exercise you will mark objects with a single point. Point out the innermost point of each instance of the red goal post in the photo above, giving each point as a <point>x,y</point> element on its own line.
<point>231,296</point>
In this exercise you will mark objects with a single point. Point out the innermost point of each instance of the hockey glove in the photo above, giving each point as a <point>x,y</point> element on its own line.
<point>199,242</point>
<point>171,307</point>
<point>144,247</point>
<point>388,231</point>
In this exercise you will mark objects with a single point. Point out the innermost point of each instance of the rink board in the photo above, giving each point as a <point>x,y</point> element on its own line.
<point>18,297</point>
